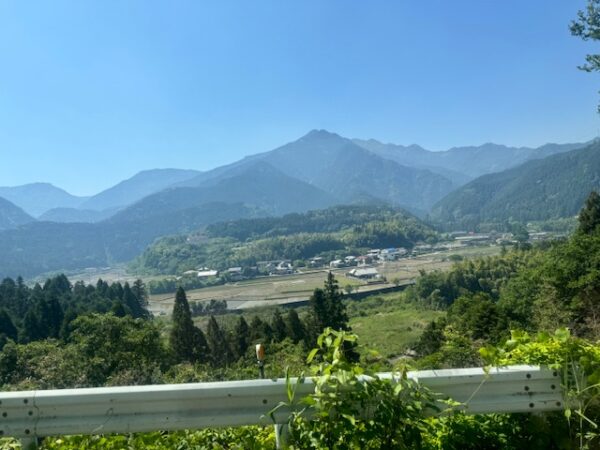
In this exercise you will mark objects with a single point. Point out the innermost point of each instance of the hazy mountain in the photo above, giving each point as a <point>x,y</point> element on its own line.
<point>346,171</point>
<point>255,191</point>
<point>36,198</point>
<point>11,216</point>
<point>257,185</point>
<point>137,187</point>
<point>461,164</point>
<point>40,247</point>
<point>71,215</point>
<point>541,189</point>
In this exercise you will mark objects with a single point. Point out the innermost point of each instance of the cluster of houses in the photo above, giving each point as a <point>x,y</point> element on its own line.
<point>373,256</point>
<point>241,273</point>
<point>363,265</point>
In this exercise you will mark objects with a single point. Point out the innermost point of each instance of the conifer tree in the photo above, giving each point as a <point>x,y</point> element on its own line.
<point>317,319</point>
<point>55,316</point>
<point>589,216</point>
<point>7,326</point>
<point>336,310</point>
<point>326,309</point>
<point>67,324</point>
<point>132,303</point>
<point>118,309</point>
<point>31,327</point>
<point>185,340</point>
<point>260,331</point>
<point>295,328</point>
<point>141,295</point>
<point>241,338</point>
<point>140,292</point>
<point>278,326</point>
<point>217,342</point>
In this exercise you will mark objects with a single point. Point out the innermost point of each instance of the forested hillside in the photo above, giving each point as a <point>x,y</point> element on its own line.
<point>335,231</point>
<point>41,247</point>
<point>549,188</point>
<point>11,216</point>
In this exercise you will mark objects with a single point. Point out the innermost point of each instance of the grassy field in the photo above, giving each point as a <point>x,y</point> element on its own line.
<point>389,324</point>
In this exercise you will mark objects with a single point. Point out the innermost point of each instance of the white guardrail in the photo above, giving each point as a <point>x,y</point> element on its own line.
<point>28,415</point>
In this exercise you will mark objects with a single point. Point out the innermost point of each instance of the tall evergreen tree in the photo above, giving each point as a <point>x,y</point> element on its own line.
<point>240,340</point>
<point>7,326</point>
<point>55,316</point>
<point>132,303</point>
<point>317,319</point>
<point>185,339</point>
<point>295,328</point>
<point>67,324</point>
<point>118,309</point>
<point>589,216</point>
<point>326,309</point>
<point>141,294</point>
<point>260,331</point>
<point>336,310</point>
<point>278,326</point>
<point>218,344</point>
<point>31,327</point>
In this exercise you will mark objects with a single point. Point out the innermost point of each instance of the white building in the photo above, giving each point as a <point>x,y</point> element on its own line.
<point>366,273</point>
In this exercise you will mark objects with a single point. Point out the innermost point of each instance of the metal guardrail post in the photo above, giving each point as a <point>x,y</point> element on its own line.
<point>281,436</point>
<point>29,443</point>
<point>281,430</point>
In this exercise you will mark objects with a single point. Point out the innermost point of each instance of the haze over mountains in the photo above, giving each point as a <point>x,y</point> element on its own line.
<point>318,170</point>
<point>542,189</point>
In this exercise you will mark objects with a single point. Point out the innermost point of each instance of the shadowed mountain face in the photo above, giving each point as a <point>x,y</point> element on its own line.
<point>11,216</point>
<point>548,188</point>
<point>36,198</point>
<point>40,247</point>
<point>257,185</point>
<point>461,164</point>
<point>72,215</point>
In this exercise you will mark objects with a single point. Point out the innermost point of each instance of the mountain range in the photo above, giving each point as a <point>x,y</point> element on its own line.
<point>548,188</point>
<point>318,170</point>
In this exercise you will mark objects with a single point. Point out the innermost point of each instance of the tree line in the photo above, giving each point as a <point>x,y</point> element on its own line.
<point>46,311</point>
<point>539,289</point>
<point>220,347</point>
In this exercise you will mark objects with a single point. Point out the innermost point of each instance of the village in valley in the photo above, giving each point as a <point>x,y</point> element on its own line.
<point>286,282</point>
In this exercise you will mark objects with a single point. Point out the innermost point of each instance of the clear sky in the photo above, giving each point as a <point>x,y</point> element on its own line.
<point>93,91</point>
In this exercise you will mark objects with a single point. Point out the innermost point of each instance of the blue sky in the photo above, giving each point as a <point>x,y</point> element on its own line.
<point>92,92</point>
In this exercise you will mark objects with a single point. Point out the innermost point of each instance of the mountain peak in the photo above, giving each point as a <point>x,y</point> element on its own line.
<point>320,134</point>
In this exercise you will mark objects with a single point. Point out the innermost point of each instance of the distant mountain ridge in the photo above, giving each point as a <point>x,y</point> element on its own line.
<point>461,164</point>
<point>137,187</point>
<point>345,171</point>
<point>11,216</point>
<point>319,170</point>
<point>541,189</point>
<point>36,198</point>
